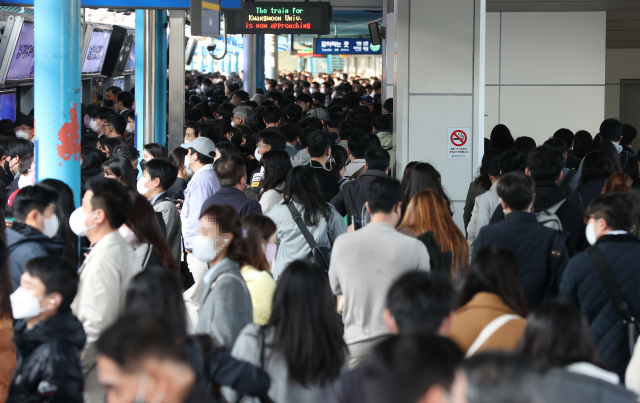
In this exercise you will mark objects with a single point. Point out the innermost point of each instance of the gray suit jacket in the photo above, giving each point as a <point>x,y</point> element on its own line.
<point>225,308</point>
<point>560,386</point>
<point>171,218</point>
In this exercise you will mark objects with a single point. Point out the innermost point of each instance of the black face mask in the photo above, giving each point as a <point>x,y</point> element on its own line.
<point>108,103</point>
<point>7,168</point>
<point>143,163</point>
<point>136,171</point>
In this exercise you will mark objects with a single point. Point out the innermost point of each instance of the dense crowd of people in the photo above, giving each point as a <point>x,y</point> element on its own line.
<point>273,257</point>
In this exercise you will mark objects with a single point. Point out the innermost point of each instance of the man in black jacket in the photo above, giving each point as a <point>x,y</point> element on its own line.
<point>353,194</point>
<point>47,335</point>
<point>611,217</point>
<point>541,251</point>
<point>319,148</point>
<point>544,165</point>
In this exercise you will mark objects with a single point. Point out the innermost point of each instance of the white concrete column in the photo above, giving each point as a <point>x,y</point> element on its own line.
<point>271,56</point>
<point>439,84</point>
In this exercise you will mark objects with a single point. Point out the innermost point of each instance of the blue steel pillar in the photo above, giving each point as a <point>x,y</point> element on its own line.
<point>58,91</point>
<point>139,80</point>
<point>161,77</point>
<point>260,54</point>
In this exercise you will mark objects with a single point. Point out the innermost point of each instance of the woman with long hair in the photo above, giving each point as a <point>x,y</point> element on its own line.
<point>277,165</point>
<point>64,207</point>
<point>301,348</point>
<point>7,347</point>
<point>91,160</point>
<point>427,211</point>
<point>596,168</point>
<point>501,138</point>
<point>423,176</point>
<point>120,169</point>
<point>524,144</point>
<point>156,291</point>
<point>618,182</point>
<point>493,289</point>
<point>143,232</point>
<point>339,165</point>
<point>480,184</point>
<point>226,302</point>
<point>176,191</point>
<point>259,234</point>
<point>320,218</point>
<point>582,143</point>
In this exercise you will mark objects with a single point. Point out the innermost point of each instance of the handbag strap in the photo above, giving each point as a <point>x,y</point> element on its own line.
<point>606,276</point>
<point>488,331</point>
<point>303,228</point>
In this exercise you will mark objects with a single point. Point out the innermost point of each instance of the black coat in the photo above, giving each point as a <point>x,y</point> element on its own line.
<point>234,198</point>
<point>531,243</point>
<point>353,194</point>
<point>581,284</point>
<point>549,193</point>
<point>328,182</point>
<point>590,191</point>
<point>50,369</point>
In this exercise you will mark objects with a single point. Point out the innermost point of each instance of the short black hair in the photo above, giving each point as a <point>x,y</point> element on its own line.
<point>512,161</point>
<point>115,90</point>
<point>271,114</point>
<point>611,129</point>
<point>293,112</point>
<point>193,115</point>
<point>388,105</point>
<point>629,134</point>
<point>19,147</point>
<point>558,143</point>
<point>89,140</point>
<point>317,143</point>
<point>276,96</point>
<point>57,275</point>
<point>207,82</point>
<point>290,131</point>
<point>377,159</point>
<point>403,368</point>
<point>118,122</point>
<point>25,164</point>
<point>384,193</point>
<point>420,301</point>
<point>566,135</point>
<point>334,119</point>
<point>306,98</point>
<point>135,337</point>
<point>380,123</point>
<point>243,95</point>
<point>233,87</point>
<point>26,120</point>
<point>127,151</point>
<point>516,190</point>
<point>211,130</point>
<point>32,198</point>
<point>358,144</point>
<point>230,169</point>
<point>617,209</point>
<point>273,138</point>
<point>353,101</point>
<point>111,196</point>
<point>545,163</point>
<point>126,98</point>
<point>346,128</point>
<point>102,112</point>
<point>163,170</point>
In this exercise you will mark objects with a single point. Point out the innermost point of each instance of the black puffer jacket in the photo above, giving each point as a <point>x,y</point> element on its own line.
<point>50,369</point>
<point>581,284</point>
<point>353,194</point>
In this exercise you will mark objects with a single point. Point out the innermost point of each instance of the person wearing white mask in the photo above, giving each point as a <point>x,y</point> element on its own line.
<point>32,234</point>
<point>614,255</point>
<point>27,169</point>
<point>47,334</point>
<point>203,184</point>
<point>226,303</point>
<point>25,127</point>
<point>99,119</point>
<point>105,272</point>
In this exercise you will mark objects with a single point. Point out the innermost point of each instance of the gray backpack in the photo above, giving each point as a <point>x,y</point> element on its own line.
<point>549,218</point>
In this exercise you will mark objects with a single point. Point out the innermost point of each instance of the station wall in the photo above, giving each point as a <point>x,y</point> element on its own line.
<point>545,71</point>
<point>622,64</point>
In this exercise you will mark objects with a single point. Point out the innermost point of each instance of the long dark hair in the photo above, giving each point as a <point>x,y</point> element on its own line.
<point>305,326</point>
<point>303,188</point>
<point>557,335</point>
<point>582,143</point>
<point>501,138</point>
<point>257,228</point>
<point>5,281</point>
<point>156,291</point>
<point>92,158</point>
<point>611,153</point>
<point>340,157</point>
<point>483,172</point>
<point>496,270</point>
<point>121,168</point>
<point>64,207</point>
<point>423,176</point>
<point>228,221</point>
<point>595,165</point>
<point>277,166</point>
<point>143,221</point>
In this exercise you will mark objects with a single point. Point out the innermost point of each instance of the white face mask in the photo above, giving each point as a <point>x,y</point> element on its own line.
<point>21,134</point>
<point>24,305</point>
<point>204,89</point>
<point>187,160</point>
<point>198,91</point>
<point>51,226</point>
<point>322,90</point>
<point>233,123</point>
<point>312,90</point>
<point>128,235</point>
<point>591,234</point>
<point>257,155</point>
<point>25,180</point>
<point>93,125</point>
<point>205,249</point>
<point>131,127</point>
<point>142,185</point>
<point>77,222</point>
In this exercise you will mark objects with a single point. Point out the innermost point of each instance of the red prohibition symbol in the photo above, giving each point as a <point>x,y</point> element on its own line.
<point>458,138</point>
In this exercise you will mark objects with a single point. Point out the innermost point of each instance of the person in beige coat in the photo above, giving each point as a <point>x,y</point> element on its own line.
<point>106,271</point>
<point>492,302</point>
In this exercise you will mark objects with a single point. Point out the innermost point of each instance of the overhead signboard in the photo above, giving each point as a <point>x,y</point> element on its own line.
<point>205,17</point>
<point>159,4</point>
<point>280,18</point>
<point>345,46</point>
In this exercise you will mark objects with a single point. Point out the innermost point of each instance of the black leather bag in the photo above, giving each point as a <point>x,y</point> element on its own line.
<point>321,255</point>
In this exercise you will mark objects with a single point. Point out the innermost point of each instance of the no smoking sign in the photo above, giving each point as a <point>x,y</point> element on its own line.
<point>458,145</point>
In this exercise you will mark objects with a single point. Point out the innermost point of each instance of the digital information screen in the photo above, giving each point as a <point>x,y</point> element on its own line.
<point>8,106</point>
<point>21,67</point>
<point>280,18</point>
<point>131,63</point>
<point>123,57</point>
<point>345,46</point>
<point>96,51</point>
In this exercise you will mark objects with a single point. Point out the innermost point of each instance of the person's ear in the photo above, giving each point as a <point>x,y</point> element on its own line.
<point>366,166</point>
<point>100,217</point>
<point>388,168</point>
<point>445,328</point>
<point>527,171</point>
<point>503,204</point>
<point>560,175</point>
<point>54,300</point>
<point>32,217</point>
<point>390,321</point>
<point>368,209</point>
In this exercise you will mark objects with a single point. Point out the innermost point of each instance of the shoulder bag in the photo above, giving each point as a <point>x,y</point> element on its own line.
<point>321,255</point>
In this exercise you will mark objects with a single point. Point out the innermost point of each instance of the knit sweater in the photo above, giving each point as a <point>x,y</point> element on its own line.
<point>363,266</point>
